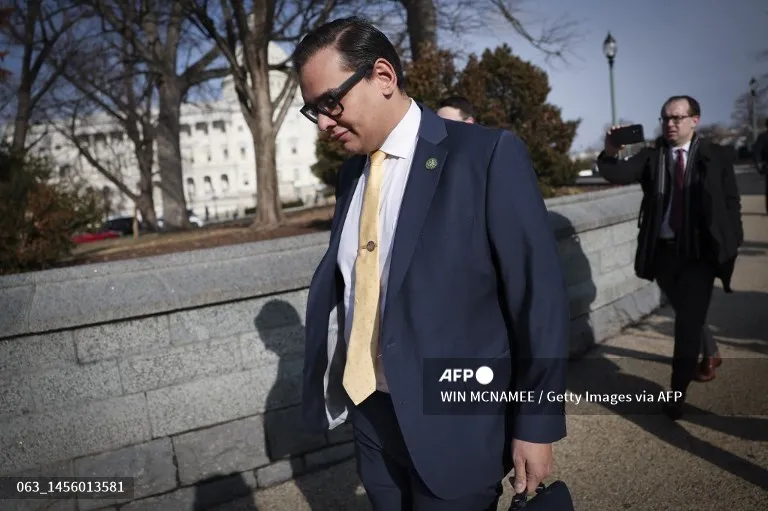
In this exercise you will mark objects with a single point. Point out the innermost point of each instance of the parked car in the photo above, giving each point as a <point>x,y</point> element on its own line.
<point>88,237</point>
<point>193,219</point>
<point>122,224</point>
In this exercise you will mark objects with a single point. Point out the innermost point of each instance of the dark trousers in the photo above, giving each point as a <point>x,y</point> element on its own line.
<point>386,469</point>
<point>708,343</point>
<point>688,285</point>
<point>762,169</point>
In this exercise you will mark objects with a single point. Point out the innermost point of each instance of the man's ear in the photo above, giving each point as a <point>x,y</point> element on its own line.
<point>470,120</point>
<point>385,76</point>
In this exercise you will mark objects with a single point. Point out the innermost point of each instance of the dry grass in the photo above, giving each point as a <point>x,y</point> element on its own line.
<point>230,233</point>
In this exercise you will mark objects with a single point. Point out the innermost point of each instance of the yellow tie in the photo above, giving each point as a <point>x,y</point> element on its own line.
<point>359,371</point>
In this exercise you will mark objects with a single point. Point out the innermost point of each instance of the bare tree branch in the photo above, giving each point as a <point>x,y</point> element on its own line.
<point>555,38</point>
<point>114,89</point>
<point>37,28</point>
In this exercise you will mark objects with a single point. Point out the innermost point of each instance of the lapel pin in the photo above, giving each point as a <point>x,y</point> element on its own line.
<point>431,163</point>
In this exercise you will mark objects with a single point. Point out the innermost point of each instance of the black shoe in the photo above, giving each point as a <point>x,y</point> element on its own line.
<point>673,410</point>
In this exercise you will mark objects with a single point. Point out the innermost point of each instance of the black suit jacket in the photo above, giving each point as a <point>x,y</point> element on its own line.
<point>714,208</point>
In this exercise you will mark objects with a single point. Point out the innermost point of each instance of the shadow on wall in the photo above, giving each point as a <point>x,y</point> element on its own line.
<point>582,290</point>
<point>280,327</point>
<point>281,330</point>
<point>207,496</point>
<point>627,371</point>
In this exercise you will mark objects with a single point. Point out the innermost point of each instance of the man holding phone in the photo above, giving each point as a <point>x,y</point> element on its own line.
<point>690,227</point>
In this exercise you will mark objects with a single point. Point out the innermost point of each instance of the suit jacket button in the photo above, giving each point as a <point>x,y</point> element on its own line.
<point>370,246</point>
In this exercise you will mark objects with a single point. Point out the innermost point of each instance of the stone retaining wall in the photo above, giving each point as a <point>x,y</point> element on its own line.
<point>184,370</point>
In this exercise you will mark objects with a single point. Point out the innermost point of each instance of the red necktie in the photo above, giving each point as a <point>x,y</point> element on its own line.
<point>678,194</point>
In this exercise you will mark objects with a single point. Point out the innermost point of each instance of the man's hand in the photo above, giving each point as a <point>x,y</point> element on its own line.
<point>610,149</point>
<point>533,464</point>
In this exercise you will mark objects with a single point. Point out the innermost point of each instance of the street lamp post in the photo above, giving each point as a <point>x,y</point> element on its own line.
<point>753,108</point>
<point>609,49</point>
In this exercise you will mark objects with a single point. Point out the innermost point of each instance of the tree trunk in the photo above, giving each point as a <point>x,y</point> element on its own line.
<point>23,108</point>
<point>145,202</point>
<point>422,24</point>
<point>169,155</point>
<point>269,210</point>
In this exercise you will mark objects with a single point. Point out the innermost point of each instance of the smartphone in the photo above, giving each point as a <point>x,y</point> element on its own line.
<point>628,135</point>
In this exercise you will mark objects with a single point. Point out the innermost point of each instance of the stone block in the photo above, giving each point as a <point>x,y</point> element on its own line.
<point>175,365</point>
<point>233,447</point>
<point>611,319</point>
<point>68,301</point>
<point>594,240</point>
<point>617,256</point>
<point>15,396</point>
<point>35,352</point>
<point>236,318</point>
<point>182,499</point>
<point>150,464</point>
<point>270,345</point>
<point>279,472</point>
<point>15,305</point>
<point>220,399</point>
<point>624,233</point>
<point>286,434</point>
<point>37,439</point>
<point>62,469</point>
<point>117,340</point>
<point>215,322</point>
<point>99,293</point>
<point>614,285</point>
<point>328,456</point>
<point>79,383</point>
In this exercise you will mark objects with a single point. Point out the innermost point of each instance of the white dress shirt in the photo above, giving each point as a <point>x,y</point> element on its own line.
<point>666,231</point>
<point>399,146</point>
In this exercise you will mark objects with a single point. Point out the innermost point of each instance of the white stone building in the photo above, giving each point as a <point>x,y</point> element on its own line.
<point>218,159</point>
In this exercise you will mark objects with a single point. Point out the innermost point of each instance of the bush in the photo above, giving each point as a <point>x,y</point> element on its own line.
<point>37,218</point>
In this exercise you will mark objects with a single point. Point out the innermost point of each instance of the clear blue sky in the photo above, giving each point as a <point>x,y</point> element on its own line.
<point>705,48</point>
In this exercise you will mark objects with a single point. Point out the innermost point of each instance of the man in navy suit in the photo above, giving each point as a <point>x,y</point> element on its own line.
<point>440,248</point>
<point>456,108</point>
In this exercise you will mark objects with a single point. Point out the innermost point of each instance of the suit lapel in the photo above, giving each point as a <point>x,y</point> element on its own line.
<point>426,167</point>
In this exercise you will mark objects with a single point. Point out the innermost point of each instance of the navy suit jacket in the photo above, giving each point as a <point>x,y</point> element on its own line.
<point>475,272</point>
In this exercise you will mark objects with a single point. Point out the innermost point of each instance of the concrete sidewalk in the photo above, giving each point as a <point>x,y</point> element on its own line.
<point>617,457</point>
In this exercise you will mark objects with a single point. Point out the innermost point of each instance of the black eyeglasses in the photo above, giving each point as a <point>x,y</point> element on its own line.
<point>676,119</point>
<point>330,103</point>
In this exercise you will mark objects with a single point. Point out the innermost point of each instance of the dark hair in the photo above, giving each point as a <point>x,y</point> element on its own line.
<point>694,109</point>
<point>461,104</point>
<point>358,42</point>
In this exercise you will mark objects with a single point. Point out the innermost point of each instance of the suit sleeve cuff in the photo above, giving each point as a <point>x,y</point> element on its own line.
<point>539,429</point>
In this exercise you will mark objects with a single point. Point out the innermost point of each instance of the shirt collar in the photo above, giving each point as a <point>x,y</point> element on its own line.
<point>685,147</point>
<point>401,139</point>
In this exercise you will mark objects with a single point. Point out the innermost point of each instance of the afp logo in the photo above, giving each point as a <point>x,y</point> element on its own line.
<point>483,375</point>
